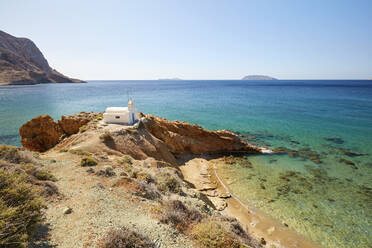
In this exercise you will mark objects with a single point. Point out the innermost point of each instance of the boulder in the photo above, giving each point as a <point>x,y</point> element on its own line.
<point>40,133</point>
<point>71,124</point>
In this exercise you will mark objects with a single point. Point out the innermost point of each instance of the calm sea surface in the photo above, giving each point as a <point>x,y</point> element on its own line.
<point>316,187</point>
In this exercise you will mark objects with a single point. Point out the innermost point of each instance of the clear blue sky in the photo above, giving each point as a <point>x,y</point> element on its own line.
<point>198,39</point>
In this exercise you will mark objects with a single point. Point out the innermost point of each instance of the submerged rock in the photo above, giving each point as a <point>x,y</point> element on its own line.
<point>348,162</point>
<point>335,140</point>
<point>351,153</point>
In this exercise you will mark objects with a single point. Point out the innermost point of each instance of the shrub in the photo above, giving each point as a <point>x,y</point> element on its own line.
<point>106,137</point>
<point>63,150</point>
<point>50,189</point>
<point>126,160</point>
<point>145,177</point>
<point>80,152</point>
<point>212,234</point>
<point>167,182</point>
<point>42,175</point>
<point>88,161</point>
<point>13,154</point>
<point>83,128</point>
<point>147,191</point>
<point>125,238</point>
<point>177,214</point>
<point>20,210</point>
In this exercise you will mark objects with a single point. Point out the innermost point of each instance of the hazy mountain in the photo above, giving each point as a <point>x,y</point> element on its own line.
<point>258,77</point>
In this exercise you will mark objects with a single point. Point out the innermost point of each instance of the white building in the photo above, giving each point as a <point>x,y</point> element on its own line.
<point>121,115</point>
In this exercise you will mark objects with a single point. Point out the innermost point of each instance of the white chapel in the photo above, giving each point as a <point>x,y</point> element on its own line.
<point>121,115</point>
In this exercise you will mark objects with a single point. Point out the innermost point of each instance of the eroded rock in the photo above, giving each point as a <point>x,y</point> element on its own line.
<point>40,133</point>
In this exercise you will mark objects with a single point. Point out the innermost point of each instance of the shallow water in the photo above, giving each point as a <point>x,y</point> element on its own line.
<point>327,199</point>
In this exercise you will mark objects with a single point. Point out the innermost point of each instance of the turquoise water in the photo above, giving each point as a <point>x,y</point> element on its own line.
<point>314,187</point>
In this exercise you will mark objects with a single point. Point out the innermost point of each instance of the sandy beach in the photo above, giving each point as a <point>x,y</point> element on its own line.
<point>203,175</point>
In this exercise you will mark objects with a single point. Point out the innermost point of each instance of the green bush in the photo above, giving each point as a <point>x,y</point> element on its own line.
<point>20,210</point>
<point>83,128</point>
<point>63,150</point>
<point>88,161</point>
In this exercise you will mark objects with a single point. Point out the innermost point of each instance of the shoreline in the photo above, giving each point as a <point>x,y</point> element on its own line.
<point>203,175</point>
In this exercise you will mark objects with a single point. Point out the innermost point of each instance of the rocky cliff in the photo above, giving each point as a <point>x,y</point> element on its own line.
<point>152,137</point>
<point>21,62</point>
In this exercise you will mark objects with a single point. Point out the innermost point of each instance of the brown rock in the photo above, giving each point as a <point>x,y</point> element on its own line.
<point>71,124</point>
<point>182,137</point>
<point>40,133</point>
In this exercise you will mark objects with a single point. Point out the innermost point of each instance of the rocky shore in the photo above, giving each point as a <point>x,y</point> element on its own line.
<point>151,184</point>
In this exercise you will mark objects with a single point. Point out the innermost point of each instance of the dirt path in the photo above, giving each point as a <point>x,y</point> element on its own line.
<point>96,208</point>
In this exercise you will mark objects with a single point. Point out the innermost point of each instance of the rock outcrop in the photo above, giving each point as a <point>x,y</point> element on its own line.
<point>182,137</point>
<point>40,133</point>
<point>21,62</point>
<point>71,124</point>
<point>152,137</point>
<point>43,133</point>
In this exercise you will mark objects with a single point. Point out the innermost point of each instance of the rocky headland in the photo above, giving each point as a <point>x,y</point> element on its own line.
<point>150,185</point>
<point>21,62</point>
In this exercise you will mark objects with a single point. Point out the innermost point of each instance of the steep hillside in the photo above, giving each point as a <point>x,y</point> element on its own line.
<point>21,62</point>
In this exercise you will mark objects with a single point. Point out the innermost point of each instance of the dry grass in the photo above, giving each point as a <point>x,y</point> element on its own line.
<point>20,209</point>
<point>211,234</point>
<point>167,182</point>
<point>177,214</point>
<point>125,238</point>
<point>15,155</point>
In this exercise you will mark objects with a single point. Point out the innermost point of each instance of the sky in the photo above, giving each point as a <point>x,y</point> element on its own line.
<point>197,39</point>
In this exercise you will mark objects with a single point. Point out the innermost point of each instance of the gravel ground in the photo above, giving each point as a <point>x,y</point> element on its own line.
<point>96,208</point>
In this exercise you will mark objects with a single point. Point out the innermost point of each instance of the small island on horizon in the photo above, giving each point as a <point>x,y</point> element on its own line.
<point>258,77</point>
<point>170,79</point>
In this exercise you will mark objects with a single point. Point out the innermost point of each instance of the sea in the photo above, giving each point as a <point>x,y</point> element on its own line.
<point>320,181</point>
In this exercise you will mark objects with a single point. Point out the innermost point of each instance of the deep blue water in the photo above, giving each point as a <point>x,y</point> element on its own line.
<point>297,114</point>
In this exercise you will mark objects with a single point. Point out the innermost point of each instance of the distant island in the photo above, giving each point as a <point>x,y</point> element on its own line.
<point>170,79</point>
<point>258,77</point>
<point>21,62</point>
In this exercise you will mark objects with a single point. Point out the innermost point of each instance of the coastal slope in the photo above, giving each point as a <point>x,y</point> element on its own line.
<point>21,62</point>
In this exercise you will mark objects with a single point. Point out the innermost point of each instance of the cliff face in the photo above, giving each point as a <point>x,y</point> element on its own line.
<point>21,62</point>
